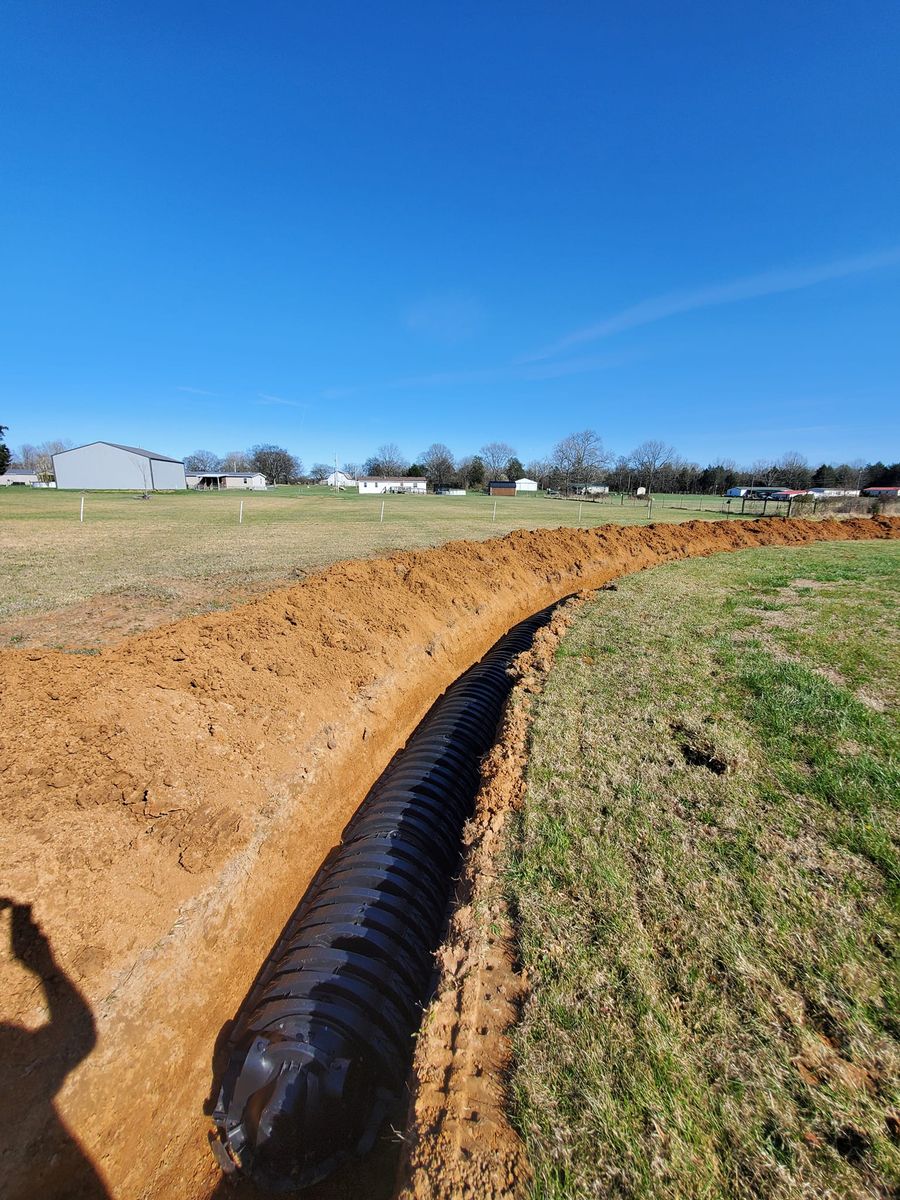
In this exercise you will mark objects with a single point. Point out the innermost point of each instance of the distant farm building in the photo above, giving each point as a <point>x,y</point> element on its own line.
<point>597,489</point>
<point>377,485</point>
<point>501,487</point>
<point>449,491</point>
<point>108,466</point>
<point>340,479</point>
<point>526,485</point>
<point>214,480</point>
<point>883,493</point>
<point>830,493</point>
<point>19,479</point>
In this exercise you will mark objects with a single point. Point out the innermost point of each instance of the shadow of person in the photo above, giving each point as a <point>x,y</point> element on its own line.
<point>41,1157</point>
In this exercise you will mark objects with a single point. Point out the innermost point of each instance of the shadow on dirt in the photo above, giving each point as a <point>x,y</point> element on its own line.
<point>33,1066</point>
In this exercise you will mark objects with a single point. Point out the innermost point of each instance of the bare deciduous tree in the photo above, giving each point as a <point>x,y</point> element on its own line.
<point>437,462</point>
<point>236,460</point>
<point>277,464</point>
<point>763,471</point>
<point>43,460</point>
<point>579,457</point>
<point>387,460</point>
<point>648,457</point>
<point>793,470</point>
<point>495,456</point>
<point>28,456</point>
<point>202,461</point>
<point>539,470</point>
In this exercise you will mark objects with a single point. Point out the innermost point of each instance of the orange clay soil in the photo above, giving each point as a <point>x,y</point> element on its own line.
<point>166,802</point>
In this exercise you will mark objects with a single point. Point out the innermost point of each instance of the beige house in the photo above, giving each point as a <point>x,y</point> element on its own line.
<point>19,478</point>
<point>206,481</point>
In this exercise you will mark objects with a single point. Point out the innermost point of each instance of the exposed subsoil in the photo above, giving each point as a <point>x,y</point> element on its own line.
<point>166,801</point>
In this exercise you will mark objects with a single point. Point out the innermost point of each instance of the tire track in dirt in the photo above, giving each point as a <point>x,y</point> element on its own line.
<point>166,802</point>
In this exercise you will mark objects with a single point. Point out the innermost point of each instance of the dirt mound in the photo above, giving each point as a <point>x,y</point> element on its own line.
<point>165,802</point>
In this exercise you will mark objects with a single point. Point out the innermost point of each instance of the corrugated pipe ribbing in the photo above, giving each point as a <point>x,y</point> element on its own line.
<point>320,1050</point>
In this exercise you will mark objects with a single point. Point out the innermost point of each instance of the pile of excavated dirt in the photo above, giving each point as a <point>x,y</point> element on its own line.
<point>166,801</point>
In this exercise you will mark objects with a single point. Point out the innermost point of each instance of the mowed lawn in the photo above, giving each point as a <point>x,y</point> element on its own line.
<point>706,876</point>
<point>179,553</point>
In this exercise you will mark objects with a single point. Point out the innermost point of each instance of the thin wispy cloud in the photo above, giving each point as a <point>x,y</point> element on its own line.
<point>750,287</point>
<point>192,391</point>
<point>522,372</point>
<point>266,399</point>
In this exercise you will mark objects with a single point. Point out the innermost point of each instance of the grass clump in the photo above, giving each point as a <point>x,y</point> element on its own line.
<point>705,873</point>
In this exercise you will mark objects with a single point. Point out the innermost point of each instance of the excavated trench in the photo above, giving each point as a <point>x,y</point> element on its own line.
<point>166,801</point>
<point>319,1052</point>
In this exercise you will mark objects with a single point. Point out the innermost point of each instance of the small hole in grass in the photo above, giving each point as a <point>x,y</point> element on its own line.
<point>698,749</point>
<point>851,1143</point>
<point>696,757</point>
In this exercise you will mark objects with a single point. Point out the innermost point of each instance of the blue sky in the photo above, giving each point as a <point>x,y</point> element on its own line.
<point>331,226</point>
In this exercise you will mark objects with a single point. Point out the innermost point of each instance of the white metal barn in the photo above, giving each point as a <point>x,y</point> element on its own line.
<point>340,479</point>
<point>376,485</point>
<point>212,480</point>
<point>526,485</point>
<point>109,466</point>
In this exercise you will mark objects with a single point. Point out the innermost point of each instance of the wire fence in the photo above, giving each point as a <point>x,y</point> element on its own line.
<point>796,506</point>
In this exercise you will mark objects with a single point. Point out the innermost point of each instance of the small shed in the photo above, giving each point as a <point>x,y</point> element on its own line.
<point>501,487</point>
<point>526,485</point>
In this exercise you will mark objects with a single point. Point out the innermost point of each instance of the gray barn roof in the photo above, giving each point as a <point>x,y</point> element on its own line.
<point>145,453</point>
<point>131,450</point>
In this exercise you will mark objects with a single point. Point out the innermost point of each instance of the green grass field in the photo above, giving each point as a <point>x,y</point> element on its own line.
<point>707,882</point>
<point>178,553</point>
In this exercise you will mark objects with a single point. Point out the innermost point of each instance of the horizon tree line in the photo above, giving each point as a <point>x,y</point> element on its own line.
<point>577,460</point>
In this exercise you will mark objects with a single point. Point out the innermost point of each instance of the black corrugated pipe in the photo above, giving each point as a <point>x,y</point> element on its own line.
<point>320,1051</point>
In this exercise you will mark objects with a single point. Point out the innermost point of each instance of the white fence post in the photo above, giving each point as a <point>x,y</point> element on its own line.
<point>81,518</point>
<point>381,518</point>
<point>241,514</point>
